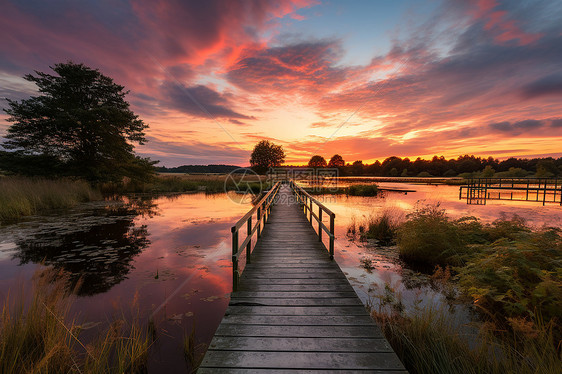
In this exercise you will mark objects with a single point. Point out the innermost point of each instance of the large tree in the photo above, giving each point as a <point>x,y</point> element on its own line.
<point>336,161</point>
<point>266,155</point>
<point>317,161</point>
<point>82,120</point>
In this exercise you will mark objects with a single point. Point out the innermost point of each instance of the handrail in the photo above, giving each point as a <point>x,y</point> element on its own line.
<point>263,208</point>
<point>307,201</point>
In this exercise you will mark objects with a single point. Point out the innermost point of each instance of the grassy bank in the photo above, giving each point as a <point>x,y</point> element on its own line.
<point>38,336</point>
<point>165,183</point>
<point>353,190</point>
<point>21,197</point>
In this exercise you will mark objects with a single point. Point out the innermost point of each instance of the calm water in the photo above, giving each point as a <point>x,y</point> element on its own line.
<point>172,254</point>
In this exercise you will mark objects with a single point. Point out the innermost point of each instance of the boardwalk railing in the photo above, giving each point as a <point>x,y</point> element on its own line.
<point>262,210</point>
<point>308,203</point>
<point>545,190</point>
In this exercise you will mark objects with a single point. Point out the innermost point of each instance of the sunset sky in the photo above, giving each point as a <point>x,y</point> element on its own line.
<point>366,79</point>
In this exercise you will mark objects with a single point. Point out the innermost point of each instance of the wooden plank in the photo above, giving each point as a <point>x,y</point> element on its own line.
<point>339,320</point>
<point>301,360</point>
<point>294,294</point>
<point>371,331</point>
<point>292,371</point>
<point>295,287</point>
<point>357,310</point>
<point>349,301</point>
<point>308,344</point>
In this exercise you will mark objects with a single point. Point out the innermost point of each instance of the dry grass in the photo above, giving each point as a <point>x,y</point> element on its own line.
<point>21,196</point>
<point>37,335</point>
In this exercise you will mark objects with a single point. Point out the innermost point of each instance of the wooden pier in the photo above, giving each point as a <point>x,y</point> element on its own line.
<point>292,309</point>
<point>542,190</point>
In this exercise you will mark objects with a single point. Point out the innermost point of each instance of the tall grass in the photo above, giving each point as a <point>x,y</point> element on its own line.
<point>21,196</point>
<point>187,183</point>
<point>37,335</point>
<point>429,341</point>
<point>382,227</point>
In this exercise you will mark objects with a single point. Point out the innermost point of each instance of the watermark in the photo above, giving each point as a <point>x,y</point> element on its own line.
<point>316,180</point>
<point>247,185</point>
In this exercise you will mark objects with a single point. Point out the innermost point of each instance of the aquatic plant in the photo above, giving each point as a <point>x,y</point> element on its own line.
<point>370,189</point>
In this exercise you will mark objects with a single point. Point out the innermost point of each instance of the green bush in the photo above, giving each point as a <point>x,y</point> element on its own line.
<point>517,278</point>
<point>363,190</point>
<point>429,237</point>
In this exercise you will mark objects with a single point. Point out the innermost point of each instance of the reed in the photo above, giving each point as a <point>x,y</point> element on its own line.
<point>37,335</point>
<point>430,341</point>
<point>20,196</point>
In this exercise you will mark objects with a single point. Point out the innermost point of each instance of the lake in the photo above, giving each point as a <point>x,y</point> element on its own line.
<point>172,255</point>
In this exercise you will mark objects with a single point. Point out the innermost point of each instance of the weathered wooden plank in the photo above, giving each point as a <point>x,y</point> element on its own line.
<point>357,310</point>
<point>338,280</point>
<point>308,344</point>
<point>295,287</point>
<point>372,331</point>
<point>349,301</point>
<point>293,294</point>
<point>293,371</point>
<point>246,319</point>
<point>301,360</point>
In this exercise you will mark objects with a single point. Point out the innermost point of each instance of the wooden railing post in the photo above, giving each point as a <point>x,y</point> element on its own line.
<point>332,237</point>
<point>259,222</point>
<point>235,273</point>
<point>319,224</point>
<point>310,211</point>
<point>249,245</point>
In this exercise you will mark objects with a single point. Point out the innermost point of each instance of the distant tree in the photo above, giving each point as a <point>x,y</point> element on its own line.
<point>266,155</point>
<point>81,120</point>
<point>393,172</point>
<point>424,174</point>
<point>317,162</point>
<point>546,168</point>
<point>336,161</point>
<point>488,172</point>
<point>450,173</point>
<point>357,167</point>
<point>404,173</point>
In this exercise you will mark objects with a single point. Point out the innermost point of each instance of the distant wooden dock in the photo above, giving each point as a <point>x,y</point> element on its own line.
<point>542,190</point>
<point>293,309</point>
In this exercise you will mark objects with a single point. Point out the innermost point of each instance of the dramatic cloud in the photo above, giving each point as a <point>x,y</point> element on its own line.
<point>302,67</point>
<point>199,101</point>
<point>480,76</point>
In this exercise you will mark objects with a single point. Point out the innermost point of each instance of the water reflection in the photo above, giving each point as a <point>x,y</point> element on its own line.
<point>96,250</point>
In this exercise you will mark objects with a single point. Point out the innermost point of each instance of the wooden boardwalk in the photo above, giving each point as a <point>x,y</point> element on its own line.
<point>295,310</point>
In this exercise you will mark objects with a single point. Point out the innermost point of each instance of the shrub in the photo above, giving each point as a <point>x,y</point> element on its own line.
<point>363,190</point>
<point>429,237</point>
<point>517,279</point>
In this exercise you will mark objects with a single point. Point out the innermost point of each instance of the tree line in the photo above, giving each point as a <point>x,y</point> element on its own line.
<point>463,166</point>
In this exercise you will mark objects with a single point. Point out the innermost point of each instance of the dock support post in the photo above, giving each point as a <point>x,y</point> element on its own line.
<point>319,224</point>
<point>332,237</point>
<point>249,245</point>
<point>259,222</point>
<point>235,273</point>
